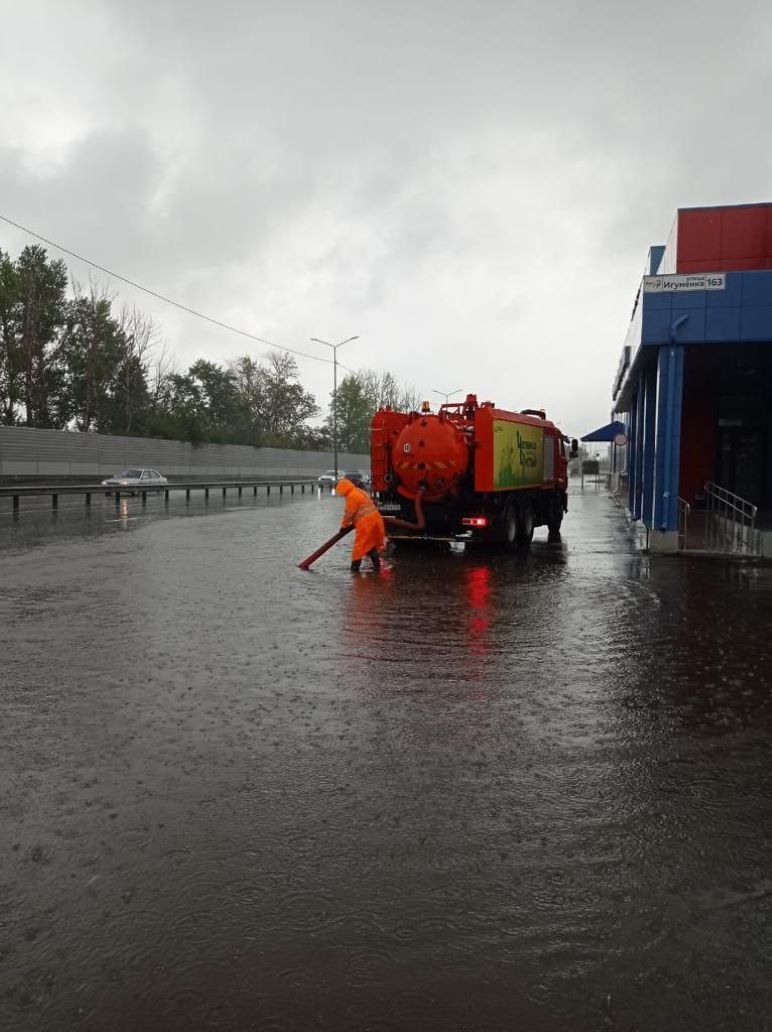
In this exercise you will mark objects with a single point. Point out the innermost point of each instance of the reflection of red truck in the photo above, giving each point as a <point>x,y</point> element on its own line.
<point>483,474</point>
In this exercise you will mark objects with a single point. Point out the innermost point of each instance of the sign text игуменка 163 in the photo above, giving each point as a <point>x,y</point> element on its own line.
<point>688,281</point>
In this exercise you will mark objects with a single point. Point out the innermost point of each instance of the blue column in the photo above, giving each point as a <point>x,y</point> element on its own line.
<point>648,424</point>
<point>632,430</point>
<point>670,378</point>
<point>636,476</point>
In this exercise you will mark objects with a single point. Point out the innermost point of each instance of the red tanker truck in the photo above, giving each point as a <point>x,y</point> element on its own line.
<point>483,474</point>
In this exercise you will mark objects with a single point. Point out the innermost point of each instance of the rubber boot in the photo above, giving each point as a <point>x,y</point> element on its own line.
<point>373,553</point>
<point>355,564</point>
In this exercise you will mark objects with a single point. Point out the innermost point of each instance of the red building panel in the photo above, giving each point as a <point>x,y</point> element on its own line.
<point>743,233</point>
<point>724,239</point>
<point>699,237</point>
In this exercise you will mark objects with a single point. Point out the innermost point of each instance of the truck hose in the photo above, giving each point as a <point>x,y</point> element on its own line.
<point>420,524</point>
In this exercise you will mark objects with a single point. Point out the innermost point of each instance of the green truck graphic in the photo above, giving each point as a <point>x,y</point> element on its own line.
<point>517,454</point>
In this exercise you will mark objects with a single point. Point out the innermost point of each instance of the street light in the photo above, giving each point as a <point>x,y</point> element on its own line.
<point>447,394</point>
<point>318,340</point>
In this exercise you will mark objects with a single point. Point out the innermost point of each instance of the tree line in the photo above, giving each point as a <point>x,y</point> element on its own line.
<point>70,360</point>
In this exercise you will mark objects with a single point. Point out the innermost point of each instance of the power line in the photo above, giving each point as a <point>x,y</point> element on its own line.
<point>162,297</point>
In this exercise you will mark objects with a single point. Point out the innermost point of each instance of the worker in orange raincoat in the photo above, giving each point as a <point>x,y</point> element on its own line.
<point>360,511</point>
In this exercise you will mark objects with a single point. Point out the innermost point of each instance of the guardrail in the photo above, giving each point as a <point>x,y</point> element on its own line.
<point>17,492</point>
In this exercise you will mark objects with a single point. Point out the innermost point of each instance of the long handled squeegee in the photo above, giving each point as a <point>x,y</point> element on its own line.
<point>306,564</point>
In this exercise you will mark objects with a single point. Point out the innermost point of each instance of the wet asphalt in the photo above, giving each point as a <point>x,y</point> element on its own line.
<point>473,792</point>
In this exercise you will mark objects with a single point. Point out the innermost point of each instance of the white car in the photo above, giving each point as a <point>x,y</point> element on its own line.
<point>136,479</point>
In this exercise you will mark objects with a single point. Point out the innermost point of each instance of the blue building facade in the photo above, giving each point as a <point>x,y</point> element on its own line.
<point>694,390</point>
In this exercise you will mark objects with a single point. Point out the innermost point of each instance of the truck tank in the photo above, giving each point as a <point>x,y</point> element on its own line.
<point>430,454</point>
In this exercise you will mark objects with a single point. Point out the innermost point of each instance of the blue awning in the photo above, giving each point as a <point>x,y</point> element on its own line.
<point>606,433</point>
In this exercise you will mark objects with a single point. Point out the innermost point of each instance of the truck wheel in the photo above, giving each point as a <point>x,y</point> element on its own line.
<point>510,534</point>
<point>554,519</point>
<point>525,526</point>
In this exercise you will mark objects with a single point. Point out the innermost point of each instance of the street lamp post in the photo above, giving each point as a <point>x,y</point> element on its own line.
<point>318,340</point>
<point>447,394</point>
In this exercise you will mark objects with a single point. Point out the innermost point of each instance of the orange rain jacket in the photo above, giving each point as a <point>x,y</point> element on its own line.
<point>361,511</point>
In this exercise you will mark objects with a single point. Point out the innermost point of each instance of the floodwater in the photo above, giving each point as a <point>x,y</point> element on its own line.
<point>472,792</point>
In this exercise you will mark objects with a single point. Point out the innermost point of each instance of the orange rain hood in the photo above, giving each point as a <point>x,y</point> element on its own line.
<point>344,486</point>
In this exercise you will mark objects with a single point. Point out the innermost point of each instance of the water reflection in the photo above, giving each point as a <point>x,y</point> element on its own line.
<point>443,621</point>
<point>478,592</point>
<point>122,513</point>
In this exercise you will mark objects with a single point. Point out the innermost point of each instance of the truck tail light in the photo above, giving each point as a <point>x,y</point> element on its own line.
<point>475,521</point>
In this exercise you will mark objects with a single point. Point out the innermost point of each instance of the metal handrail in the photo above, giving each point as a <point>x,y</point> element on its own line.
<point>732,500</point>
<point>683,516</point>
<point>731,521</point>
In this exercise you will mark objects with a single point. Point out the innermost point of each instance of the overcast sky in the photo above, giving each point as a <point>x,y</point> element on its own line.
<point>471,187</point>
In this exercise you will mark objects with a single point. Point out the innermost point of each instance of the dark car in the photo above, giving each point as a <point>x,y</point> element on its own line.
<point>358,477</point>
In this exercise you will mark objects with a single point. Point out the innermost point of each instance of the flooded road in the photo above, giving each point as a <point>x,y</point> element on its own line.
<point>471,792</point>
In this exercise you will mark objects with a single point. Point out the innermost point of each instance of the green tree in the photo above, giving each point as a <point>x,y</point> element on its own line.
<point>277,405</point>
<point>91,350</point>
<point>219,402</point>
<point>180,410</point>
<point>32,312</point>
<point>203,404</point>
<point>354,411</point>
<point>10,359</point>
<point>131,398</point>
<point>385,390</point>
<point>128,403</point>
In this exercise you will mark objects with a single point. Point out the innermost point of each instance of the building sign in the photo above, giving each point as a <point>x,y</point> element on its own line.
<point>517,454</point>
<point>680,283</point>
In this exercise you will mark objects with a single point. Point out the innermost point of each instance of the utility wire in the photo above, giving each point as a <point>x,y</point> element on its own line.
<point>162,297</point>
